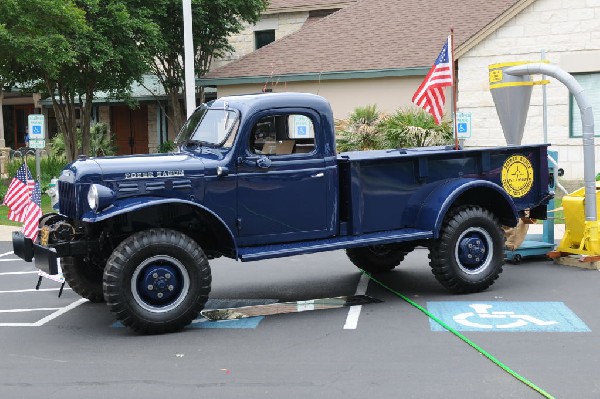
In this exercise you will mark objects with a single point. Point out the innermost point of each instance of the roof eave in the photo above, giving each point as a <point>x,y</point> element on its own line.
<point>315,7</point>
<point>314,76</point>
<point>490,28</point>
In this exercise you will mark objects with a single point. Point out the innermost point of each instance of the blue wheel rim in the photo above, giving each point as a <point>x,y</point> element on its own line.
<point>474,250</point>
<point>159,284</point>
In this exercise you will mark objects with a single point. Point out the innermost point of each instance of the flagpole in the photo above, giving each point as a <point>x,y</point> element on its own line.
<point>454,92</point>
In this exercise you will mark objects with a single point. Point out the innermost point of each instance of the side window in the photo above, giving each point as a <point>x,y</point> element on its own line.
<point>283,135</point>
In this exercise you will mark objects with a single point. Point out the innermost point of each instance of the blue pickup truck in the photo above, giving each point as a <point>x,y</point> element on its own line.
<point>258,177</point>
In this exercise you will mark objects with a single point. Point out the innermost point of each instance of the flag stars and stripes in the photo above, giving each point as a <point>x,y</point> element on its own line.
<point>33,213</point>
<point>18,193</point>
<point>430,94</point>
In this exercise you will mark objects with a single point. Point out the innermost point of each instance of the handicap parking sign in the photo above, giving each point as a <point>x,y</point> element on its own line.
<point>506,316</point>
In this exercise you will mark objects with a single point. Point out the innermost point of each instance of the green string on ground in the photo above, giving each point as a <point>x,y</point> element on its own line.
<point>465,339</point>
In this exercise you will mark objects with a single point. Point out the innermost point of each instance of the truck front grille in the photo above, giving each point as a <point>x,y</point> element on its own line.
<point>67,199</point>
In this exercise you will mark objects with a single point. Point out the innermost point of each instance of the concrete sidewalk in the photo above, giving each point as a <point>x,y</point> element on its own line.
<point>6,232</point>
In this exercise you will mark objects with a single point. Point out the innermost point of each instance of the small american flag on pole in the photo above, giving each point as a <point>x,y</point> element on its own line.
<point>33,213</point>
<point>430,95</point>
<point>18,193</point>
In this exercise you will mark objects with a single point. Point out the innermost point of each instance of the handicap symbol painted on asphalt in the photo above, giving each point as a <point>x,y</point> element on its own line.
<point>506,316</point>
<point>482,311</point>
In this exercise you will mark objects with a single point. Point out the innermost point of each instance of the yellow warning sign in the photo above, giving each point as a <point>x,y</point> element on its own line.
<point>517,176</point>
<point>496,76</point>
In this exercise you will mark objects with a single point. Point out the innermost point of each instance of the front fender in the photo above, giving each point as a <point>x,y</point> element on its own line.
<point>464,191</point>
<point>128,205</point>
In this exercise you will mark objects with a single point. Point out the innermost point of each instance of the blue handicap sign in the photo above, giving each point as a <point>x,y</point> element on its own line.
<point>462,127</point>
<point>301,130</point>
<point>249,322</point>
<point>36,129</point>
<point>506,316</point>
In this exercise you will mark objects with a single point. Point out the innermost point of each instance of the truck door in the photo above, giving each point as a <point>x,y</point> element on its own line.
<point>283,181</point>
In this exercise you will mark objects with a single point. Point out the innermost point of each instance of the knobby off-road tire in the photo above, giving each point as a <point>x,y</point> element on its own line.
<point>157,281</point>
<point>468,256</point>
<point>84,278</point>
<point>376,258</point>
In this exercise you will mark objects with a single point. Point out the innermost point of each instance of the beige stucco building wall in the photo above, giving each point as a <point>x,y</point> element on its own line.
<point>243,42</point>
<point>344,95</point>
<point>569,32</point>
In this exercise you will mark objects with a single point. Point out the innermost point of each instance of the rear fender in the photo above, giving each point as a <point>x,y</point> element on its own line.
<point>223,233</point>
<point>464,192</point>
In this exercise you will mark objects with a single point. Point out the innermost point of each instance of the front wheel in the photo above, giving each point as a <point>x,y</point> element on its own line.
<point>84,278</point>
<point>157,281</point>
<point>468,255</point>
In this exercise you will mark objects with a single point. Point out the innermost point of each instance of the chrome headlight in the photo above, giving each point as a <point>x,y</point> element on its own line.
<point>99,197</point>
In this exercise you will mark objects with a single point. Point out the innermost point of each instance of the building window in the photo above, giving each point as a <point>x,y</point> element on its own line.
<point>591,84</point>
<point>263,37</point>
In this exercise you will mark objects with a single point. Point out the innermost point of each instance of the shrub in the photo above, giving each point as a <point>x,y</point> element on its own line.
<point>413,127</point>
<point>167,146</point>
<point>367,129</point>
<point>50,166</point>
<point>360,131</point>
<point>101,142</point>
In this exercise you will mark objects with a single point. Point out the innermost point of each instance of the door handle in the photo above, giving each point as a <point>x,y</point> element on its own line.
<point>263,162</point>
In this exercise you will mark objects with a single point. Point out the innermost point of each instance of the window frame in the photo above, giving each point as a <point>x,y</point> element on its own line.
<point>573,106</point>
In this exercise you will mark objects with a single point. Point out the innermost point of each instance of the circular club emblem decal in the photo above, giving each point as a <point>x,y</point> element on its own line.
<point>517,176</point>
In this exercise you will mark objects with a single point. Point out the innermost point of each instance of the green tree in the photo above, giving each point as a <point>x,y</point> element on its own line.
<point>213,21</point>
<point>72,49</point>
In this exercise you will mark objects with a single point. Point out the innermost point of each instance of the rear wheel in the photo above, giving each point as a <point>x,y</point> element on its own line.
<point>157,281</point>
<point>468,256</point>
<point>377,258</point>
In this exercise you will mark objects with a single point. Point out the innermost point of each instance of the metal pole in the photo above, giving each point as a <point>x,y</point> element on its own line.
<point>188,44</point>
<point>38,165</point>
<point>545,104</point>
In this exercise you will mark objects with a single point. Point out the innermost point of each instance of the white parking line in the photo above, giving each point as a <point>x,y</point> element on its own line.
<point>6,253</point>
<point>26,310</point>
<point>31,290</point>
<point>10,260</point>
<point>9,273</point>
<point>39,323</point>
<point>354,311</point>
<point>59,312</point>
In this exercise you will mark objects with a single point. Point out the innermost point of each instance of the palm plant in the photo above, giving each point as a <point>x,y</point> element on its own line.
<point>360,131</point>
<point>413,127</point>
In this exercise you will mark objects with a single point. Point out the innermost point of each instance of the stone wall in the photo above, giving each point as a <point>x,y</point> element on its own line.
<point>569,32</point>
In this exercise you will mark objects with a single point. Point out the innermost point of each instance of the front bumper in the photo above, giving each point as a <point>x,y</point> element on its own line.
<point>45,258</point>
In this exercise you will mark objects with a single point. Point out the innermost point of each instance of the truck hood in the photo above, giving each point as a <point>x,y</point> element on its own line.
<point>135,167</point>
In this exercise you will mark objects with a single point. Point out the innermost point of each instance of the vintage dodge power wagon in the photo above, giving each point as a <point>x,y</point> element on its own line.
<point>258,177</point>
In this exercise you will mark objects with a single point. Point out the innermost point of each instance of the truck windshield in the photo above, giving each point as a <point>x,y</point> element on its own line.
<point>212,127</point>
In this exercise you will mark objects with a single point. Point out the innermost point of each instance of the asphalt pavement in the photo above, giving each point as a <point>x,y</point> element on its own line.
<point>539,319</point>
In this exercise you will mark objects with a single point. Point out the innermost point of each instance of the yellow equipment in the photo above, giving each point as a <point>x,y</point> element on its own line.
<point>581,236</point>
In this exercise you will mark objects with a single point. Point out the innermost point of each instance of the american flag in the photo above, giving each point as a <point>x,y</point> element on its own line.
<point>18,193</point>
<point>33,213</point>
<point>430,95</point>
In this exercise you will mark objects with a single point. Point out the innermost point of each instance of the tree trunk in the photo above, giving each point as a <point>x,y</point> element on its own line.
<point>63,105</point>
<point>177,115</point>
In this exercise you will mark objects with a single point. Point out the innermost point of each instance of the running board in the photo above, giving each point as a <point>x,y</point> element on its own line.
<point>248,254</point>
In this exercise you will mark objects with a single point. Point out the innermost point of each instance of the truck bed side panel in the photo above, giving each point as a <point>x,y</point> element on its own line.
<point>387,189</point>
